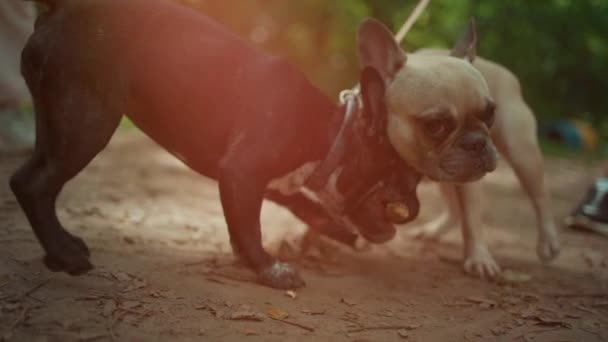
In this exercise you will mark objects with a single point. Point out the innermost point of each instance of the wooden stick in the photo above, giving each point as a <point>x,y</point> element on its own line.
<point>302,326</point>
<point>22,317</point>
<point>580,295</point>
<point>381,327</point>
<point>33,289</point>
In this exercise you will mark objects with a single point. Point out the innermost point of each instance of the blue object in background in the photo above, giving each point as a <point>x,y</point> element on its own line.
<point>575,134</point>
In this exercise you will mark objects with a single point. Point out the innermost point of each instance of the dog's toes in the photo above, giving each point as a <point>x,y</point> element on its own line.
<point>492,270</point>
<point>480,263</point>
<point>75,266</point>
<point>547,248</point>
<point>281,275</point>
<point>68,254</point>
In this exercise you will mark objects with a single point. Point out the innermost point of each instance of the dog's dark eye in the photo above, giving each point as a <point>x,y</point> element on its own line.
<point>489,114</point>
<point>436,128</point>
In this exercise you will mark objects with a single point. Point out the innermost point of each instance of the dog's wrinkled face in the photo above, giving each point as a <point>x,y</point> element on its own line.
<point>439,107</point>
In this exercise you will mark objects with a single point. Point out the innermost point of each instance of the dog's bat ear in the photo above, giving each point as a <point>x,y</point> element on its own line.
<point>374,107</point>
<point>377,48</point>
<point>466,47</point>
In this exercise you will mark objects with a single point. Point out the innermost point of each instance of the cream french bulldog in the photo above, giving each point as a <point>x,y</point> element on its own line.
<point>514,135</point>
<point>448,112</point>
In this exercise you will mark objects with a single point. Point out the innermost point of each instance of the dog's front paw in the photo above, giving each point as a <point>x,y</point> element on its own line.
<point>479,262</point>
<point>281,275</point>
<point>69,254</point>
<point>547,247</point>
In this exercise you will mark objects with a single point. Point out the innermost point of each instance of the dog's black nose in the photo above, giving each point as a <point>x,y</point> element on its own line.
<point>473,142</point>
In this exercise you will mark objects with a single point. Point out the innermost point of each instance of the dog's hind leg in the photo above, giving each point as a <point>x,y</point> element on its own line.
<point>72,126</point>
<point>522,152</point>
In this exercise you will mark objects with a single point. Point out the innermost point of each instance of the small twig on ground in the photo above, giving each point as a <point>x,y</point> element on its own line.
<point>33,289</point>
<point>20,319</point>
<point>600,305</point>
<point>96,297</point>
<point>196,263</point>
<point>132,312</point>
<point>526,337</point>
<point>593,333</point>
<point>93,337</point>
<point>540,331</point>
<point>112,319</point>
<point>585,309</point>
<point>230,277</point>
<point>579,295</point>
<point>295,324</point>
<point>17,261</point>
<point>350,320</point>
<point>219,281</point>
<point>16,240</point>
<point>380,327</point>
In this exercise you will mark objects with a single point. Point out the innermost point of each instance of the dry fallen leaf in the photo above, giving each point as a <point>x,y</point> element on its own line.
<point>550,322</point>
<point>276,313</point>
<point>483,302</point>
<point>412,326</point>
<point>250,332</point>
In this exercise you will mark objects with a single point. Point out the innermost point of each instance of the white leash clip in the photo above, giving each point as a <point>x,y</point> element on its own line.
<point>348,94</point>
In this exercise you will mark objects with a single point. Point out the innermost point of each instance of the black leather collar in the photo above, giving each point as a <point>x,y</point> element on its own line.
<point>353,200</point>
<point>318,180</point>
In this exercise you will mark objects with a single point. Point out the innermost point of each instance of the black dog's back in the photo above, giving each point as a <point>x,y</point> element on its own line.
<point>145,59</point>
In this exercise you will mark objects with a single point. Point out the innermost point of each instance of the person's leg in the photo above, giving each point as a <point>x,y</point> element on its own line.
<point>16,25</point>
<point>592,212</point>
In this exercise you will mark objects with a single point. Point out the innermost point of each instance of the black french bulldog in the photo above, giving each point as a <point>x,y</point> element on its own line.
<point>230,112</point>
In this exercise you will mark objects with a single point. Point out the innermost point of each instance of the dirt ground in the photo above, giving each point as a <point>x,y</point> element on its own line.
<point>164,271</point>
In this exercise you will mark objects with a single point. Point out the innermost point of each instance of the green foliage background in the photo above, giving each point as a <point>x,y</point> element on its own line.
<point>558,48</point>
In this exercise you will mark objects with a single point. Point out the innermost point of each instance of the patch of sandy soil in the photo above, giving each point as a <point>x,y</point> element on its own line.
<point>164,271</point>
